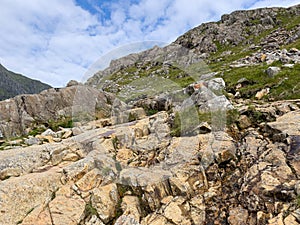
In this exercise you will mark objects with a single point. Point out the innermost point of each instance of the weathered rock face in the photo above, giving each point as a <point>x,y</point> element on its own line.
<point>25,111</point>
<point>173,53</point>
<point>135,173</point>
<point>236,28</point>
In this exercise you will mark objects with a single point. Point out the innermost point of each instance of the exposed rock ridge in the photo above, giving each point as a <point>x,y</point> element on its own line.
<point>236,28</point>
<point>136,173</point>
<point>28,111</point>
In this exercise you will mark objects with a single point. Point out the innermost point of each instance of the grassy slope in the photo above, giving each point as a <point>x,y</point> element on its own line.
<point>288,79</point>
<point>12,84</point>
<point>285,85</point>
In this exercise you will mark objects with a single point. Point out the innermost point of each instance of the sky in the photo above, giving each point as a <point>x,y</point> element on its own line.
<point>59,40</point>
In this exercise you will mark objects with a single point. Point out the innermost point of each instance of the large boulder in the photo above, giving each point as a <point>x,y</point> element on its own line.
<point>25,111</point>
<point>20,195</point>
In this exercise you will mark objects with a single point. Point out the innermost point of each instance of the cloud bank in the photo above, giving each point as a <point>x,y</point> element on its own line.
<point>55,41</point>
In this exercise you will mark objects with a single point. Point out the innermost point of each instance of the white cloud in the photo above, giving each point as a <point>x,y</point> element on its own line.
<point>56,41</point>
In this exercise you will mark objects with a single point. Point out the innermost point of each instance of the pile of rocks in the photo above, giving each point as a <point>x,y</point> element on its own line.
<point>286,57</point>
<point>136,173</point>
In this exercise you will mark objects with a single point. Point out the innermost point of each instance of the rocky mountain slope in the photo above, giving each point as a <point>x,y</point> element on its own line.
<point>192,134</point>
<point>241,45</point>
<point>12,84</point>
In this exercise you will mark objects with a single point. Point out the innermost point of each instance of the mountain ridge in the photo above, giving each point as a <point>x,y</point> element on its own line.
<point>13,84</point>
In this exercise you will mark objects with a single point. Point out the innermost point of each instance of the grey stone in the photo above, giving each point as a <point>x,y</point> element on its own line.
<point>72,83</point>
<point>272,71</point>
<point>32,141</point>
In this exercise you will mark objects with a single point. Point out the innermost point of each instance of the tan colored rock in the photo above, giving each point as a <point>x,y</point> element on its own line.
<point>198,214</point>
<point>96,158</point>
<point>155,219</point>
<point>20,195</point>
<point>217,145</point>
<point>105,200</point>
<point>263,57</point>
<point>124,155</point>
<point>90,180</point>
<point>76,131</point>
<point>71,157</point>
<point>139,113</point>
<point>262,217</point>
<point>141,128</point>
<point>154,182</point>
<point>167,200</point>
<point>278,220</point>
<point>39,216</point>
<point>188,180</point>
<point>15,142</point>
<point>244,122</point>
<point>290,220</point>
<point>25,111</point>
<point>288,123</point>
<point>128,116</point>
<point>269,183</point>
<point>176,212</point>
<point>144,176</point>
<point>260,94</point>
<point>57,139</point>
<point>10,172</point>
<point>131,206</point>
<point>238,216</point>
<point>57,157</point>
<point>67,208</point>
<point>48,138</point>
<point>67,134</point>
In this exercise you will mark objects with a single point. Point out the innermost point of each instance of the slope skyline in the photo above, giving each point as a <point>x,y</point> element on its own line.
<point>62,42</point>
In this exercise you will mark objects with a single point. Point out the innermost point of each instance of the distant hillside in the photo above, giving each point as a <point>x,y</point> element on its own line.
<point>12,84</point>
<point>239,47</point>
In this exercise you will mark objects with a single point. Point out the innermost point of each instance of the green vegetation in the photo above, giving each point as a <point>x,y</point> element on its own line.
<point>132,117</point>
<point>285,85</point>
<point>12,84</point>
<point>63,122</point>
<point>150,112</point>
<point>288,20</point>
<point>298,201</point>
<point>106,171</point>
<point>37,130</point>
<point>255,116</point>
<point>131,74</point>
<point>89,210</point>
<point>186,121</point>
<point>115,143</point>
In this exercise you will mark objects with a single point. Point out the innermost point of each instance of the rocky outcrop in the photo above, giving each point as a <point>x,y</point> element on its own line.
<point>136,173</point>
<point>238,27</point>
<point>240,39</point>
<point>171,54</point>
<point>76,102</point>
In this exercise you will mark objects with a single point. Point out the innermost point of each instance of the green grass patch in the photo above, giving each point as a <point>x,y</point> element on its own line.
<point>285,85</point>
<point>36,130</point>
<point>56,124</point>
<point>187,120</point>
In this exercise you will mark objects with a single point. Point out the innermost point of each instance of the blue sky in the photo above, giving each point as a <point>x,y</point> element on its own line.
<point>59,40</point>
